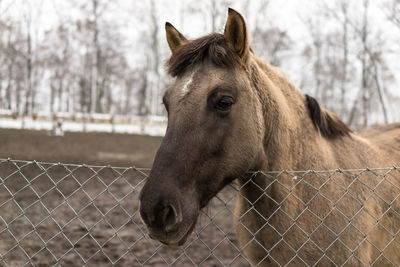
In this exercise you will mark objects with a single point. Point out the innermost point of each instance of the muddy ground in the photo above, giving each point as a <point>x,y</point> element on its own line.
<point>74,215</point>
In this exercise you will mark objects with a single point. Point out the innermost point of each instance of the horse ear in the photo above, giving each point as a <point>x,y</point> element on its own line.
<point>174,37</point>
<point>236,33</point>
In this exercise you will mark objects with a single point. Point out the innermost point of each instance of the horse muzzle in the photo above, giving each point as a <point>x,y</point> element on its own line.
<point>176,238</point>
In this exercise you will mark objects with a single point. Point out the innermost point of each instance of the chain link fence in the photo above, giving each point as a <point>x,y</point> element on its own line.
<point>73,215</point>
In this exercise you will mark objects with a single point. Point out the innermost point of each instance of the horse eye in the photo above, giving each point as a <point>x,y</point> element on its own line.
<point>225,103</point>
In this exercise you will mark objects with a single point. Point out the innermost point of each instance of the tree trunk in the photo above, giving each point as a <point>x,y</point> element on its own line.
<point>154,94</point>
<point>364,81</point>
<point>28,94</point>
<point>345,58</point>
<point>143,108</point>
<point>95,59</point>
<point>8,88</point>
<point>52,95</point>
<point>380,92</point>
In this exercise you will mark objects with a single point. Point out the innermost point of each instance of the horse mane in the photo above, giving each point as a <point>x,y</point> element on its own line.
<point>213,47</point>
<point>326,123</point>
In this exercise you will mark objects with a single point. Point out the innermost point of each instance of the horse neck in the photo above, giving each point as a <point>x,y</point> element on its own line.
<point>290,136</point>
<point>291,140</point>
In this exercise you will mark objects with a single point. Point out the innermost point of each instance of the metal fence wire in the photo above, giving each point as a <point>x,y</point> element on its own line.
<point>72,215</point>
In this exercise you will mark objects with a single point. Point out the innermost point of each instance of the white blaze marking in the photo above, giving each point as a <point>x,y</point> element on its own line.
<point>185,88</point>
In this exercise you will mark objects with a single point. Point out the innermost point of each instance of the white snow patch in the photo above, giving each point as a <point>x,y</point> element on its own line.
<point>144,126</point>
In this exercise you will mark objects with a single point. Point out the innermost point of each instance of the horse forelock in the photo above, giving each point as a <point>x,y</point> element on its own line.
<point>212,47</point>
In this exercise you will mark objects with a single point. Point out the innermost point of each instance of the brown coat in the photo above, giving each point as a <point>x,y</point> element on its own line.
<point>229,114</point>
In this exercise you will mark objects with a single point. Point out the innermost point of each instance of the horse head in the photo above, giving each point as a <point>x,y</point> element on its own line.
<point>215,129</point>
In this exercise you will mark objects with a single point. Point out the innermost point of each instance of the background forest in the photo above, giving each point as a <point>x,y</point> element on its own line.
<point>100,56</point>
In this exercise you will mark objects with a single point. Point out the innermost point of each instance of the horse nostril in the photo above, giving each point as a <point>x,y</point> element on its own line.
<point>170,218</point>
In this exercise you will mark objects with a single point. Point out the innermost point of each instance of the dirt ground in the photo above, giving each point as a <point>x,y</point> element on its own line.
<point>89,148</point>
<point>74,215</point>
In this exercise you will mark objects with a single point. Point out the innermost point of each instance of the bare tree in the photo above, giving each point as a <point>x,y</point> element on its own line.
<point>346,51</point>
<point>371,61</point>
<point>392,10</point>
<point>86,63</point>
<point>29,56</point>
<point>340,13</point>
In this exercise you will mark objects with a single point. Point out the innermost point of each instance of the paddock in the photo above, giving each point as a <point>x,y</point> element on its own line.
<point>77,214</point>
<point>73,215</point>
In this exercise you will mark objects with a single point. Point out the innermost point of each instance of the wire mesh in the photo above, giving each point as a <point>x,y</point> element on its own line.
<point>71,215</point>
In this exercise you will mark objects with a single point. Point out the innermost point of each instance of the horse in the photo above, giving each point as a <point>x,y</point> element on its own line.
<point>230,115</point>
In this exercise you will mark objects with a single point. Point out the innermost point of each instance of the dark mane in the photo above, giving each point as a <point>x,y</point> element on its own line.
<point>327,123</point>
<point>213,47</point>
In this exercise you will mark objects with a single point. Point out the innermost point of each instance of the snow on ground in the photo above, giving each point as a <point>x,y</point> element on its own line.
<point>144,126</point>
